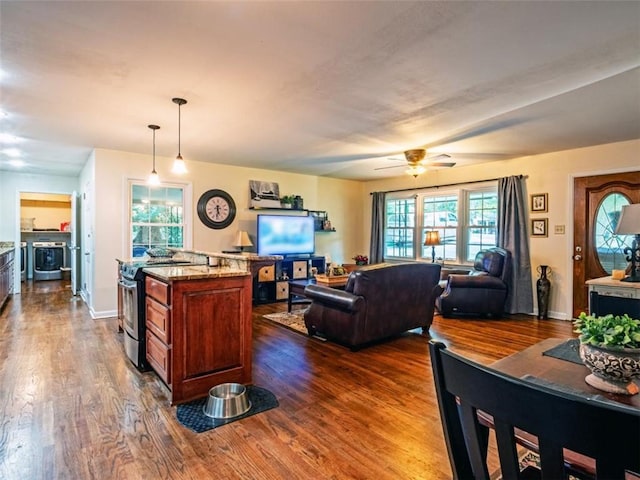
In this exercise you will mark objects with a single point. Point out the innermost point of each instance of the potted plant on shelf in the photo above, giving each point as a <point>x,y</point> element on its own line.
<point>287,201</point>
<point>610,348</point>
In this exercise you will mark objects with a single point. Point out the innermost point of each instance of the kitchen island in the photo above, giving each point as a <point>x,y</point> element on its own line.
<point>198,327</point>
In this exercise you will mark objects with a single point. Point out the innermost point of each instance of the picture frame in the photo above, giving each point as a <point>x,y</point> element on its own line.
<point>539,202</point>
<point>539,227</point>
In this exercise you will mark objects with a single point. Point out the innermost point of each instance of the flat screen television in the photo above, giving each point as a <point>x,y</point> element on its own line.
<point>285,235</point>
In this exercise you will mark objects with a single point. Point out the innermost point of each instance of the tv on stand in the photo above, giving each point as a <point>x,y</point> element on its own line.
<point>286,235</point>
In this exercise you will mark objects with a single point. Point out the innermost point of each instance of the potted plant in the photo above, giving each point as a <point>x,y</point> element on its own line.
<point>287,201</point>
<point>361,259</point>
<point>610,348</point>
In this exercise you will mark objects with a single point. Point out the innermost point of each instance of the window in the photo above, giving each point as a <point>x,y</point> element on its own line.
<point>400,220</point>
<point>609,246</point>
<point>465,219</point>
<point>440,213</point>
<point>156,217</point>
<point>481,226</point>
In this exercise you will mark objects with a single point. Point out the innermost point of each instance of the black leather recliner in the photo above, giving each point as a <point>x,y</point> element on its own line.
<point>483,291</point>
<point>379,301</point>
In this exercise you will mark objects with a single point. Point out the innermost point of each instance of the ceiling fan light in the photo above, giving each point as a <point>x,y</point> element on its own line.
<point>179,167</point>
<point>415,170</point>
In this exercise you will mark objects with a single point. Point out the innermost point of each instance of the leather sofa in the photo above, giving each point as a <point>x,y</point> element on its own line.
<point>379,301</point>
<point>483,291</point>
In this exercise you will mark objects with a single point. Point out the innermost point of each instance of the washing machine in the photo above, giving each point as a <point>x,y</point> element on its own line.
<point>23,261</point>
<point>48,260</point>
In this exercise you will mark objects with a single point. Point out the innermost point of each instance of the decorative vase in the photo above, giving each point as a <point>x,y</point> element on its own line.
<point>298,202</point>
<point>543,287</point>
<point>612,370</point>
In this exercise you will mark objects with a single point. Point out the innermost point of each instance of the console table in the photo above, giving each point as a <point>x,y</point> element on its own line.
<point>607,295</point>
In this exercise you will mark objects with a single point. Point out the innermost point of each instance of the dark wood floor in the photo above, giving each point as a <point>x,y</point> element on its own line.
<point>73,407</point>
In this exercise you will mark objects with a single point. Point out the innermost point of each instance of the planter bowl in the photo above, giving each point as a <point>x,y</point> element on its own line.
<point>612,370</point>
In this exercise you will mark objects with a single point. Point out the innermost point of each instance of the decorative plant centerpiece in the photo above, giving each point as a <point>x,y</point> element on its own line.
<point>361,259</point>
<point>610,348</point>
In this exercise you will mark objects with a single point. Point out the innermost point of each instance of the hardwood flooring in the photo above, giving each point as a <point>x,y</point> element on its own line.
<point>73,407</point>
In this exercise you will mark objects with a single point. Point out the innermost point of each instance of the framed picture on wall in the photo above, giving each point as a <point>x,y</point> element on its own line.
<point>539,227</point>
<point>539,202</point>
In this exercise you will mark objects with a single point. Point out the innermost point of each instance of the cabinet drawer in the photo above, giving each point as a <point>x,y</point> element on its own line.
<point>157,289</point>
<point>300,269</point>
<point>159,357</point>
<point>158,319</point>
<point>617,292</point>
<point>282,290</point>
<point>267,274</point>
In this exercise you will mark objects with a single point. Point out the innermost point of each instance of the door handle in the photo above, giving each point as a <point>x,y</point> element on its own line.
<point>577,257</point>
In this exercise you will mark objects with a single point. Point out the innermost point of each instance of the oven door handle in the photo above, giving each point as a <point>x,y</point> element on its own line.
<point>128,286</point>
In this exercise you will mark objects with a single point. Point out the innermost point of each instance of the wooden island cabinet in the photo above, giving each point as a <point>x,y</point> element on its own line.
<point>198,321</point>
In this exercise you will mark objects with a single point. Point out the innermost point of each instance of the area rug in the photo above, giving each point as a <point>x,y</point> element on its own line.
<point>192,416</point>
<point>293,320</point>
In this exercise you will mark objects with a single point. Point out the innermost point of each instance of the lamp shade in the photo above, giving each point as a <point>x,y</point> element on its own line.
<point>432,238</point>
<point>243,240</point>
<point>629,222</point>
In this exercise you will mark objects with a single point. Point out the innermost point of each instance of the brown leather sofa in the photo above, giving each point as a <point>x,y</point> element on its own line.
<point>481,292</point>
<point>379,301</point>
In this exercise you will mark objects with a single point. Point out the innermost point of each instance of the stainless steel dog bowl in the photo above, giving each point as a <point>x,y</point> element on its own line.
<point>227,400</point>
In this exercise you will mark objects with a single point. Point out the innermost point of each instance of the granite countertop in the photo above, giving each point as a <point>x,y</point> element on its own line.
<point>194,272</point>
<point>6,247</point>
<point>234,256</point>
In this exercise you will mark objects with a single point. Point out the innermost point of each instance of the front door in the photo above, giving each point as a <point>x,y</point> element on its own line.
<point>596,249</point>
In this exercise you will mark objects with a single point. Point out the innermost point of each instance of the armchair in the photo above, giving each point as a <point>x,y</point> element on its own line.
<point>379,301</point>
<point>483,291</point>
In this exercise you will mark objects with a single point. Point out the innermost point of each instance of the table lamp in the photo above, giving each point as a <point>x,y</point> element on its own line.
<point>432,239</point>
<point>629,224</point>
<point>243,240</point>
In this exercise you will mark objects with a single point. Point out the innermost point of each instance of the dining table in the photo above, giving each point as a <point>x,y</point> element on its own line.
<point>539,362</point>
<point>555,363</point>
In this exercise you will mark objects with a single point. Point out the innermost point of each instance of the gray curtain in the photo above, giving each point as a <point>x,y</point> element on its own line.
<point>376,250</point>
<point>512,236</point>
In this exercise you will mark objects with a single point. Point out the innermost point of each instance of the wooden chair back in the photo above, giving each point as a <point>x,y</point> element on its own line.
<point>606,432</point>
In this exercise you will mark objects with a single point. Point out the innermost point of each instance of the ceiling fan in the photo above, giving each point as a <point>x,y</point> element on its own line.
<point>418,162</point>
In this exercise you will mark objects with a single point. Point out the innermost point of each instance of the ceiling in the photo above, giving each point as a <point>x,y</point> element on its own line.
<point>322,88</point>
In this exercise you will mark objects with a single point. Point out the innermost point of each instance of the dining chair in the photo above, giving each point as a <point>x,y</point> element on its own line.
<point>606,432</point>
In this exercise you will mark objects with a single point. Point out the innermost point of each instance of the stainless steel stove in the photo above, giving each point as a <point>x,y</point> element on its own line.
<point>131,284</point>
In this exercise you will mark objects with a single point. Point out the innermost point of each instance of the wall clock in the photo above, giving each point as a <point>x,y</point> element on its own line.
<point>216,209</point>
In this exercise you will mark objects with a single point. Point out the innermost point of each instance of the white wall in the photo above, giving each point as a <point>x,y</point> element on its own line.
<point>342,199</point>
<point>11,184</point>
<point>551,173</point>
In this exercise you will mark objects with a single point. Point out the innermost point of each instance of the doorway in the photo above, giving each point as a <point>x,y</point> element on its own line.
<point>45,233</point>
<point>596,249</point>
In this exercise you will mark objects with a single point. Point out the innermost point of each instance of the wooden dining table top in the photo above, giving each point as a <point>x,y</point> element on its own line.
<point>561,372</point>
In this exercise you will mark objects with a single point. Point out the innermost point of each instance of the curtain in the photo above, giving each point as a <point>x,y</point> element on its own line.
<point>512,236</point>
<point>376,250</point>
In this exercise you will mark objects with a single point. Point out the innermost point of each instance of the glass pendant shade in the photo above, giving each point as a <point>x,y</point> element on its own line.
<point>179,166</point>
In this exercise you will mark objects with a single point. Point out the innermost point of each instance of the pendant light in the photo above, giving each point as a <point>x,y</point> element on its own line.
<point>178,164</point>
<point>153,178</point>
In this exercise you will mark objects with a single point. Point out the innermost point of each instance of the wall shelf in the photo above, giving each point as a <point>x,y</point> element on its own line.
<point>282,209</point>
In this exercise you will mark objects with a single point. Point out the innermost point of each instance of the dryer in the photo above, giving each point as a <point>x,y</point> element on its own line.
<point>48,260</point>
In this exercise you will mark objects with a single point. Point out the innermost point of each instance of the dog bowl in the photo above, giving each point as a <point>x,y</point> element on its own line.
<point>227,400</point>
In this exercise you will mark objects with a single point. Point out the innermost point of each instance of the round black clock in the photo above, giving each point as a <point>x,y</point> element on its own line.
<point>216,209</point>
